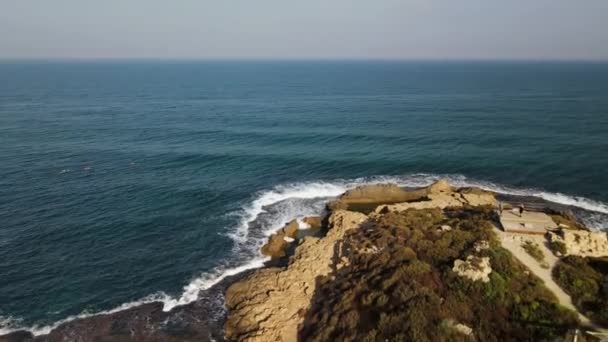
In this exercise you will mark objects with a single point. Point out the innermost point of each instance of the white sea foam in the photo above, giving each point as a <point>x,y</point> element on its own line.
<point>555,197</point>
<point>271,209</point>
<point>206,281</point>
<point>279,194</point>
<point>190,294</point>
<point>302,224</point>
<point>8,325</point>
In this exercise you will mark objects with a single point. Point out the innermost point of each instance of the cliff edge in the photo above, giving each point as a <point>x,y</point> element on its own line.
<point>427,269</point>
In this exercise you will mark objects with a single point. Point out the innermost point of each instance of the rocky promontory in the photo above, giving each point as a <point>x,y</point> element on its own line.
<point>404,265</point>
<point>388,263</point>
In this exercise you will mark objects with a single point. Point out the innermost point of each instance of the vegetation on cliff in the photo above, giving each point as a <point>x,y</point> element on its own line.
<point>398,284</point>
<point>586,281</point>
<point>533,250</point>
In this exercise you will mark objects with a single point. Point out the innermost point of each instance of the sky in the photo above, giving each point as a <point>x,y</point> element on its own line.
<point>309,29</point>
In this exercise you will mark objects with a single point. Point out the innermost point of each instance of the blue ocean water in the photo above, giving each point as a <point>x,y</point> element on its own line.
<point>128,181</point>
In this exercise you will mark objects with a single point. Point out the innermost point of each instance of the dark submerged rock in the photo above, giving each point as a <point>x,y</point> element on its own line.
<point>201,320</point>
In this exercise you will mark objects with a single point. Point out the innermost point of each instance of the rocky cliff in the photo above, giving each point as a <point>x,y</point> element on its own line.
<point>271,303</point>
<point>385,264</point>
<point>426,269</point>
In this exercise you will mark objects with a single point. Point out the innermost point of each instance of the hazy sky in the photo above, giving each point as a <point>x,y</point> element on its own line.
<point>394,29</point>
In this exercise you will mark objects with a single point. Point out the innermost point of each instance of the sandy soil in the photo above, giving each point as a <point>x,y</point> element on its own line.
<point>512,242</point>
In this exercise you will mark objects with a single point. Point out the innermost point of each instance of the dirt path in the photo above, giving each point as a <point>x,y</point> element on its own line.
<point>513,242</point>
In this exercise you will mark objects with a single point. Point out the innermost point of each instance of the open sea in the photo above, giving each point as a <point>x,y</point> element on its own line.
<point>123,182</point>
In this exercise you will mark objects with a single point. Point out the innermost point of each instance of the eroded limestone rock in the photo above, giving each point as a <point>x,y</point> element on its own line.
<point>376,194</point>
<point>474,268</point>
<point>582,243</point>
<point>313,222</point>
<point>459,327</point>
<point>442,195</point>
<point>481,246</point>
<point>388,193</point>
<point>270,304</point>
<point>277,242</point>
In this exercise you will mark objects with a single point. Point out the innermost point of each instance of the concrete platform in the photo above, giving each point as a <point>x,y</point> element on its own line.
<point>530,222</point>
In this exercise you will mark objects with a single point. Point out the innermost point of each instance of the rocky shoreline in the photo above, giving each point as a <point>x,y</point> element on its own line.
<point>404,265</point>
<point>384,263</point>
<point>201,320</point>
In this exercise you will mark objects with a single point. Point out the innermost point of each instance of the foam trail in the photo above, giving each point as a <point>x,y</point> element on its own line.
<point>278,194</point>
<point>190,294</point>
<point>8,325</point>
<point>287,210</point>
<point>206,281</point>
<point>574,201</point>
<point>284,202</point>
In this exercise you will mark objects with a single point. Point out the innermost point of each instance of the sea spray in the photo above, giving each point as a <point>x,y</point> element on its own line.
<point>289,199</point>
<point>269,210</point>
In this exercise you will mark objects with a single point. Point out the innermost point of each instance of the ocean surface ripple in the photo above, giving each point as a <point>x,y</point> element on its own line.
<point>128,182</point>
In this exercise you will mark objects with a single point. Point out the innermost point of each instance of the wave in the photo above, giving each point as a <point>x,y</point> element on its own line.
<point>10,324</point>
<point>206,281</point>
<point>269,210</point>
<point>279,194</point>
<point>328,189</point>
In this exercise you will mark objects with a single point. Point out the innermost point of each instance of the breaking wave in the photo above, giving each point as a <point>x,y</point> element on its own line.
<point>269,210</point>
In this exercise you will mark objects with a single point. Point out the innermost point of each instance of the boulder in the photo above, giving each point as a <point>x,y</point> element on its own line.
<point>474,268</point>
<point>463,329</point>
<point>441,195</point>
<point>459,327</point>
<point>582,243</point>
<point>291,228</point>
<point>440,186</point>
<point>313,221</point>
<point>337,205</point>
<point>379,193</point>
<point>277,242</point>
<point>476,197</point>
<point>275,247</point>
<point>481,246</point>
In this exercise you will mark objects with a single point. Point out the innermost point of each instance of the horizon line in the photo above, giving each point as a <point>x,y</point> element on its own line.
<point>292,59</point>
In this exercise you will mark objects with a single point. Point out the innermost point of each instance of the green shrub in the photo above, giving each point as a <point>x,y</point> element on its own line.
<point>586,280</point>
<point>558,247</point>
<point>405,290</point>
<point>533,250</point>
